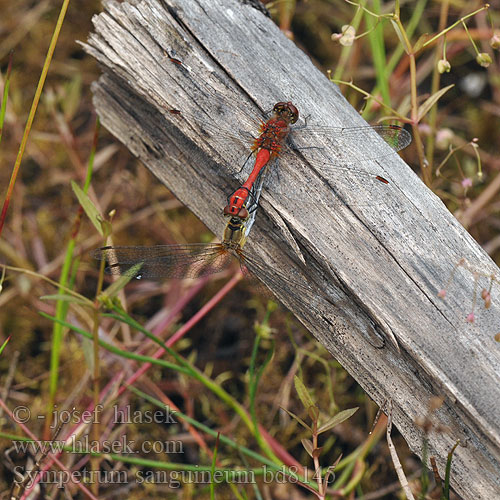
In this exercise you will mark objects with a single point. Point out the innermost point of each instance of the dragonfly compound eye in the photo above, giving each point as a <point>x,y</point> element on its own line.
<point>293,112</point>
<point>278,107</point>
<point>243,213</point>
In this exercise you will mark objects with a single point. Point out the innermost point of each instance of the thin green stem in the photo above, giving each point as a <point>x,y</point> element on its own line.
<point>436,78</point>
<point>255,376</point>
<point>412,25</point>
<point>31,115</point>
<point>183,367</point>
<point>65,289</point>
<point>227,441</point>
<point>368,95</point>
<point>449,28</point>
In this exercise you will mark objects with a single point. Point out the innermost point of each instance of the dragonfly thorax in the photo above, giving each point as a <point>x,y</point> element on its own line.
<point>234,233</point>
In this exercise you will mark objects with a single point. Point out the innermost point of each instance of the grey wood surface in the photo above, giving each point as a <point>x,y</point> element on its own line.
<point>379,257</point>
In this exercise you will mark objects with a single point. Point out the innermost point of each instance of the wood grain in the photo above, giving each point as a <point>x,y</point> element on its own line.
<point>379,257</point>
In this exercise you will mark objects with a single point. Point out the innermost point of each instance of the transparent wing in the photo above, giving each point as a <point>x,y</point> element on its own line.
<point>326,146</point>
<point>357,139</point>
<point>253,201</point>
<point>235,142</point>
<point>165,261</point>
<point>346,161</point>
<point>335,145</point>
<point>346,149</point>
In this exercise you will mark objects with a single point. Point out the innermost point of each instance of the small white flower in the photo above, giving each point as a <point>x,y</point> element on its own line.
<point>444,66</point>
<point>346,38</point>
<point>483,59</point>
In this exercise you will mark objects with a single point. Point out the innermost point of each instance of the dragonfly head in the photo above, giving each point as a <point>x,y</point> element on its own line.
<point>286,111</point>
<point>236,212</point>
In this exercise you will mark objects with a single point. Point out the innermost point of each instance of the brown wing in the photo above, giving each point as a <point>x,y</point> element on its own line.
<point>165,261</point>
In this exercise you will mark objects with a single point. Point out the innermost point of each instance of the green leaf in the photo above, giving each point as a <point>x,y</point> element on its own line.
<point>303,393</point>
<point>122,281</point>
<point>6,85</point>
<point>212,470</point>
<point>298,419</point>
<point>331,471</point>
<point>67,298</point>
<point>420,42</point>
<point>337,419</point>
<point>446,492</point>
<point>88,353</point>
<point>71,97</point>
<point>426,106</point>
<point>87,205</point>
<point>397,29</point>
<point>4,344</point>
<point>307,444</point>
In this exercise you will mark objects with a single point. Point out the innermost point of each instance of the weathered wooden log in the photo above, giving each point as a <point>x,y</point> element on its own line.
<point>379,257</point>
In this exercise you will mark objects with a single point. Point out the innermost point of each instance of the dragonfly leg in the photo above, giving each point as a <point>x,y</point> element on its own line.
<point>304,148</point>
<point>245,162</point>
<point>303,125</point>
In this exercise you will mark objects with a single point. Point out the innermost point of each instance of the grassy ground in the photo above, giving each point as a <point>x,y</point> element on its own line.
<point>225,349</point>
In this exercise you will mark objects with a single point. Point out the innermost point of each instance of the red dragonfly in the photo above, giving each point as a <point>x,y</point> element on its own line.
<point>331,150</point>
<point>266,147</point>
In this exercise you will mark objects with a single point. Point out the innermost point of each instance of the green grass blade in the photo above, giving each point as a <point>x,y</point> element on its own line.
<point>5,95</point>
<point>255,376</point>
<point>116,350</point>
<point>212,471</point>
<point>121,282</point>
<point>377,44</point>
<point>4,344</point>
<point>62,305</point>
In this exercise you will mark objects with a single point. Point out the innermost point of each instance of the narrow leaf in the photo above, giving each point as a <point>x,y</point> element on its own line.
<point>446,491</point>
<point>122,281</point>
<point>330,473</point>
<point>4,344</point>
<point>307,444</point>
<point>88,206</point>
<point>212,470</point>
<point>400,36</point>
<point>337,419</point>
<point>334,465</point>
<point>303,393</point>
<point>3,107</point>
<point>67,298</point>
<point>72,97</point>
<point>313,412</point>
<point>425,107</point>
<point>298,419</point>
<point>88,353</point>
<point>420,42</point>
